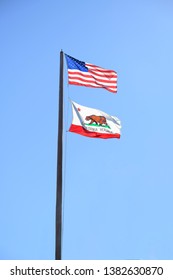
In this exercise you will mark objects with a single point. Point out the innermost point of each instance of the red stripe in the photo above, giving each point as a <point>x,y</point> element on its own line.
<point>80,130</point>
<point>102,72</point>
<point>92,73</point>
<point>94,67</point>
<point>97,86</point>
<point>111,83</point>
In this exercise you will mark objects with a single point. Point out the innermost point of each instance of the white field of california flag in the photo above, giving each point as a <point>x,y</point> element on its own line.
<point>94,123</point>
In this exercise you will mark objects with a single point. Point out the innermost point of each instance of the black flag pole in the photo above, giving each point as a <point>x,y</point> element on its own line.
<point>58,237</point>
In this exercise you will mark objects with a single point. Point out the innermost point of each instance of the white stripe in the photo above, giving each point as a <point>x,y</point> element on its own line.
<point>95,72</point>
<point>91,66</point>
<point>87,78</point>
<point>91,80</point>
<point>98,84</point>
<point>87,75</point>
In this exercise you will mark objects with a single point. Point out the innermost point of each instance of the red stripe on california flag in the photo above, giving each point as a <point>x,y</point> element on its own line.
<point>80,130</point>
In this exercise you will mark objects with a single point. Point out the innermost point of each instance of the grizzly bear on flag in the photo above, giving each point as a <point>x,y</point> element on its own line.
<point>99,120</point>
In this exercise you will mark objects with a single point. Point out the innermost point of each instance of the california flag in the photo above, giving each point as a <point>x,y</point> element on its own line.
<point>94,123</point>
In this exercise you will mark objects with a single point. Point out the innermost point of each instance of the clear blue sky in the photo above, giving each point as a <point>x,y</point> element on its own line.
<point>117,193</point>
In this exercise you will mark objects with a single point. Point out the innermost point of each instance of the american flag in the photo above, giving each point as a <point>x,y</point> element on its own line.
<point>86,74</point>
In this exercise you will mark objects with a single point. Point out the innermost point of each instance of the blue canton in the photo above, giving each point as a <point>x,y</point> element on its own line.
<point>73,63</point>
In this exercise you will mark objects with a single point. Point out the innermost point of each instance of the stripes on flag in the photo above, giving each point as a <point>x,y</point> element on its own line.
<point>89,75</point>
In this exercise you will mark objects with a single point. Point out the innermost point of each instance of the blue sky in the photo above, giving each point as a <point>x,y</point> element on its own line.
<point>117,193</point>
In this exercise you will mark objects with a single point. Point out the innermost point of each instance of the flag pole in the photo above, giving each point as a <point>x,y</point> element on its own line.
<point>58,238</point>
